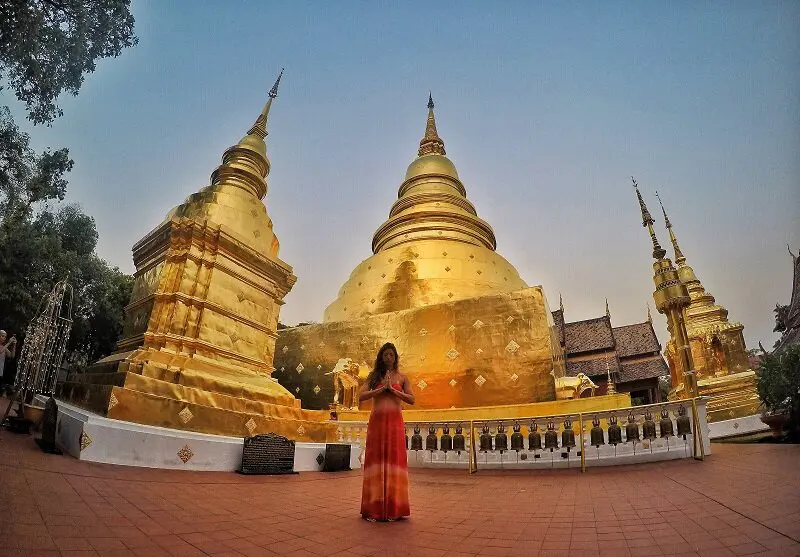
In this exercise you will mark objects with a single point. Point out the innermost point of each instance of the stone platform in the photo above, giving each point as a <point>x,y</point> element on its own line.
<point>90,437</point>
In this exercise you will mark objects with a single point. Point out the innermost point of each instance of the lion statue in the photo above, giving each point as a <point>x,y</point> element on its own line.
<point>572,387</point>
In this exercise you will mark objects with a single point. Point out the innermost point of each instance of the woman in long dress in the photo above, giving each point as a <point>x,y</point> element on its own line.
<point>384,495</point>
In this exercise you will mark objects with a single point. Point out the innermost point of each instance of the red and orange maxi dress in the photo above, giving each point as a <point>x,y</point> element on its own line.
<point>385,492</point>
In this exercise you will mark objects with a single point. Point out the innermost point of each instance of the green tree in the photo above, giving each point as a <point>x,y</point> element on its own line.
<point>27,178</point>
<point>779,386</point>
<point>56,245</point>
<point>48,46</point>
<point>40,245</point>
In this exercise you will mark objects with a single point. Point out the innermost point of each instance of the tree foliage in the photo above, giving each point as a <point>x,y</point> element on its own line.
<point>41,244</point>
<point>779,385</point>
<point>48,46</point>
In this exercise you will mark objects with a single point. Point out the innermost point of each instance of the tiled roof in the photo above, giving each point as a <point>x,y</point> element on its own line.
<point>593,367</point>
<point>589,335</point>
<point>636,339</point>
<point>642,369</point>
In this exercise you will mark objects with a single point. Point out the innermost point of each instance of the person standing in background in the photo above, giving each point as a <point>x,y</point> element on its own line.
<point>7,349</point>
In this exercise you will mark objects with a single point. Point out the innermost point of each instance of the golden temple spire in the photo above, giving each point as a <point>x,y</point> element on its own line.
<point>560,303</point>
<point>260,127</point>
<point>608,311</point>
<point>649,316</point>
<point>647,221</point>
<point>679,258</point>
<point>431,144</point>
<point>246,165</point>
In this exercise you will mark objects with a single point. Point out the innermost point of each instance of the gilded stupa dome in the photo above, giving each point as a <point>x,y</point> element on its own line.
<point>431,164</point>
<point>432,249</point>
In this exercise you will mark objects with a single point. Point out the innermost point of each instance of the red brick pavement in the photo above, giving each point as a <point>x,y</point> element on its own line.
<point>743,500</point>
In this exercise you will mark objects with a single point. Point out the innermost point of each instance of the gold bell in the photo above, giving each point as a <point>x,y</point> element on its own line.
<point>534,438</point>
<point>631,429</point>
<point>501,439</point>
<point>431,441</point>
<point>568,436</point>
<point>550,436</point>
<point>649,426</point>
<point>516,439</point>
<point>486,440</point>
<point>614,431</point>
<point>458,439</point>
<point>596,434</point>
<point>684,423</point>
<point>665,424</point>
<point>416,440</point>
<point>446,440</point>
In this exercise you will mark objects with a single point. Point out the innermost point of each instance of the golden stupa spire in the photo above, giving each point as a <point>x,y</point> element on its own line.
<point>431,144</point>
<point>246,165</point>
<point>647,221</point>
<point>608,311</point>
<point>649,316</point>
<point>260,127</point>
<point>679,258</point>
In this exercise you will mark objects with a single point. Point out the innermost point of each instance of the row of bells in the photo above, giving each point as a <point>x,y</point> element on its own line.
<point>499,442</point>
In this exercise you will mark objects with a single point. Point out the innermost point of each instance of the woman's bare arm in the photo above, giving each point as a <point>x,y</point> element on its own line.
<point>406,395</point>
<point>364,393</point>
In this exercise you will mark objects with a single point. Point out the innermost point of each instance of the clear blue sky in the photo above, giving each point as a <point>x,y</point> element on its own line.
<point>546,110</point>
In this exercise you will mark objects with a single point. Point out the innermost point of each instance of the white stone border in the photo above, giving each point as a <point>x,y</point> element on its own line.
<point>746,425</point>
<point>88,436</point>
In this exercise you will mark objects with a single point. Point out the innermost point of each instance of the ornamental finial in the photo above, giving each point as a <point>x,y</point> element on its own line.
<point>274,91</point>
<point>679,257</point>
<point>431,144</point>
<point>647,221</point>
<point>260,127</point>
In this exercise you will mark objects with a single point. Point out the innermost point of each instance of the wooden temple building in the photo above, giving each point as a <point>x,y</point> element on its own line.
<point>629,356</point>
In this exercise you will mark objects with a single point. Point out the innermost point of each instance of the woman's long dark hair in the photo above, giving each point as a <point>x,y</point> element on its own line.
<point>379,370</point>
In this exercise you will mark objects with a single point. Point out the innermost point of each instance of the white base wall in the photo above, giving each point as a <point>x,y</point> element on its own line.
<point>737,426</point>
<point>88,436</point>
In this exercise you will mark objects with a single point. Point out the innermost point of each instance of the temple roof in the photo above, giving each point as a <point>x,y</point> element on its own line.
<point>594,347</point>
<point>589,335</point>
<point>642,369</point>
<point>636,339</point>
<point>792,333</point>
<point>593,367</point>
<point>793,317</point>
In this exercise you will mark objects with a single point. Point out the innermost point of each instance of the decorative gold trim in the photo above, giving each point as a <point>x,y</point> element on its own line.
<point>85,440</point>
<point>185,454</point>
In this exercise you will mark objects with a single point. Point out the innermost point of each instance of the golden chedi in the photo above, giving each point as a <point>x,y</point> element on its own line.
<point>200,329</point>
<point>671,298</point>
<point>717,347</point>
<point>469,331</point>
<point>433,248</point>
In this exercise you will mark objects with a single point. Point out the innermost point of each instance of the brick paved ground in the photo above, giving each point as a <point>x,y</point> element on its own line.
<point>745,499</point>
